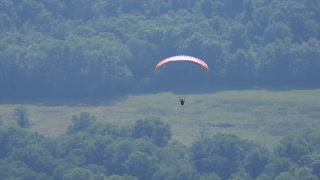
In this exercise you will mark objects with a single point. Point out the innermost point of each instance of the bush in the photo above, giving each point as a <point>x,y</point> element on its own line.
<point>21,116</point>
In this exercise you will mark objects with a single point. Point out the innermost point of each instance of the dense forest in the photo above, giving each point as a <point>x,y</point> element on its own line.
<point>91,149</point>
<point>102,48</point>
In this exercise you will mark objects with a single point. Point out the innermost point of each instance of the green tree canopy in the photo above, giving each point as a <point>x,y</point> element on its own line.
<point>154,130</point>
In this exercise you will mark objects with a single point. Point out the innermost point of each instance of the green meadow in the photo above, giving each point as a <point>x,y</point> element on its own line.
<point>260,115</point>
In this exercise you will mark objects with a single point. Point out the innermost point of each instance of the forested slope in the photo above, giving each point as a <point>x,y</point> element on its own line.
<point>102,48</point>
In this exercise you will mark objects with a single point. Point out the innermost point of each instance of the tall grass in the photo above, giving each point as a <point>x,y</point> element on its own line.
<point>258,115</point>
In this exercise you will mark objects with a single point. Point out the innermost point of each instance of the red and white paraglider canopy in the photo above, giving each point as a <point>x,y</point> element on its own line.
<point>183,58</point>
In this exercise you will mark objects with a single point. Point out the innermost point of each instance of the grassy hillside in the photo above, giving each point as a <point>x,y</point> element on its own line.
<point>259,115</point>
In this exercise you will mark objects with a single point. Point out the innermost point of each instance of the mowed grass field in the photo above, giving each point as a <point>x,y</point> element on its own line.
<point>258,115</point>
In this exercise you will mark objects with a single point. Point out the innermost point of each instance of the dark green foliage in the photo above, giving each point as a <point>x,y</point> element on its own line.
<point>295,147</point>
<point>107,129</point>
<point>223,154</point>
<point>36,157</point>
<point>18,170</point>
<point>116,155</point>
<point>154,130</point>
<point>21,116</point>
<point>256,160</point>
<point>209,176</point>
<point>62,167</point>
<point>78,173</point>
<point>100,152</point>
<point>81,122</point>
<point>12,138</point>
<point>141,165</point>
<point>174,163</point>
<point>277,166</point>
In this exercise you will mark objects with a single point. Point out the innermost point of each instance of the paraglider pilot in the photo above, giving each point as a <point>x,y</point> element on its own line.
<point>182,101</point>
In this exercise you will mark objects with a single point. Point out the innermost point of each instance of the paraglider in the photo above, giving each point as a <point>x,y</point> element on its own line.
<point>182,101</point>
<point>183,58</point>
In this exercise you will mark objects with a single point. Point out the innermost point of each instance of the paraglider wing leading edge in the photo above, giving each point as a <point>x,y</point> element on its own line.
<point>183,58</point>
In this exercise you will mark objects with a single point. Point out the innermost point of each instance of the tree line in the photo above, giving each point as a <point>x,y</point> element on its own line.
<point>102,48</point>
<point>92,149</point>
